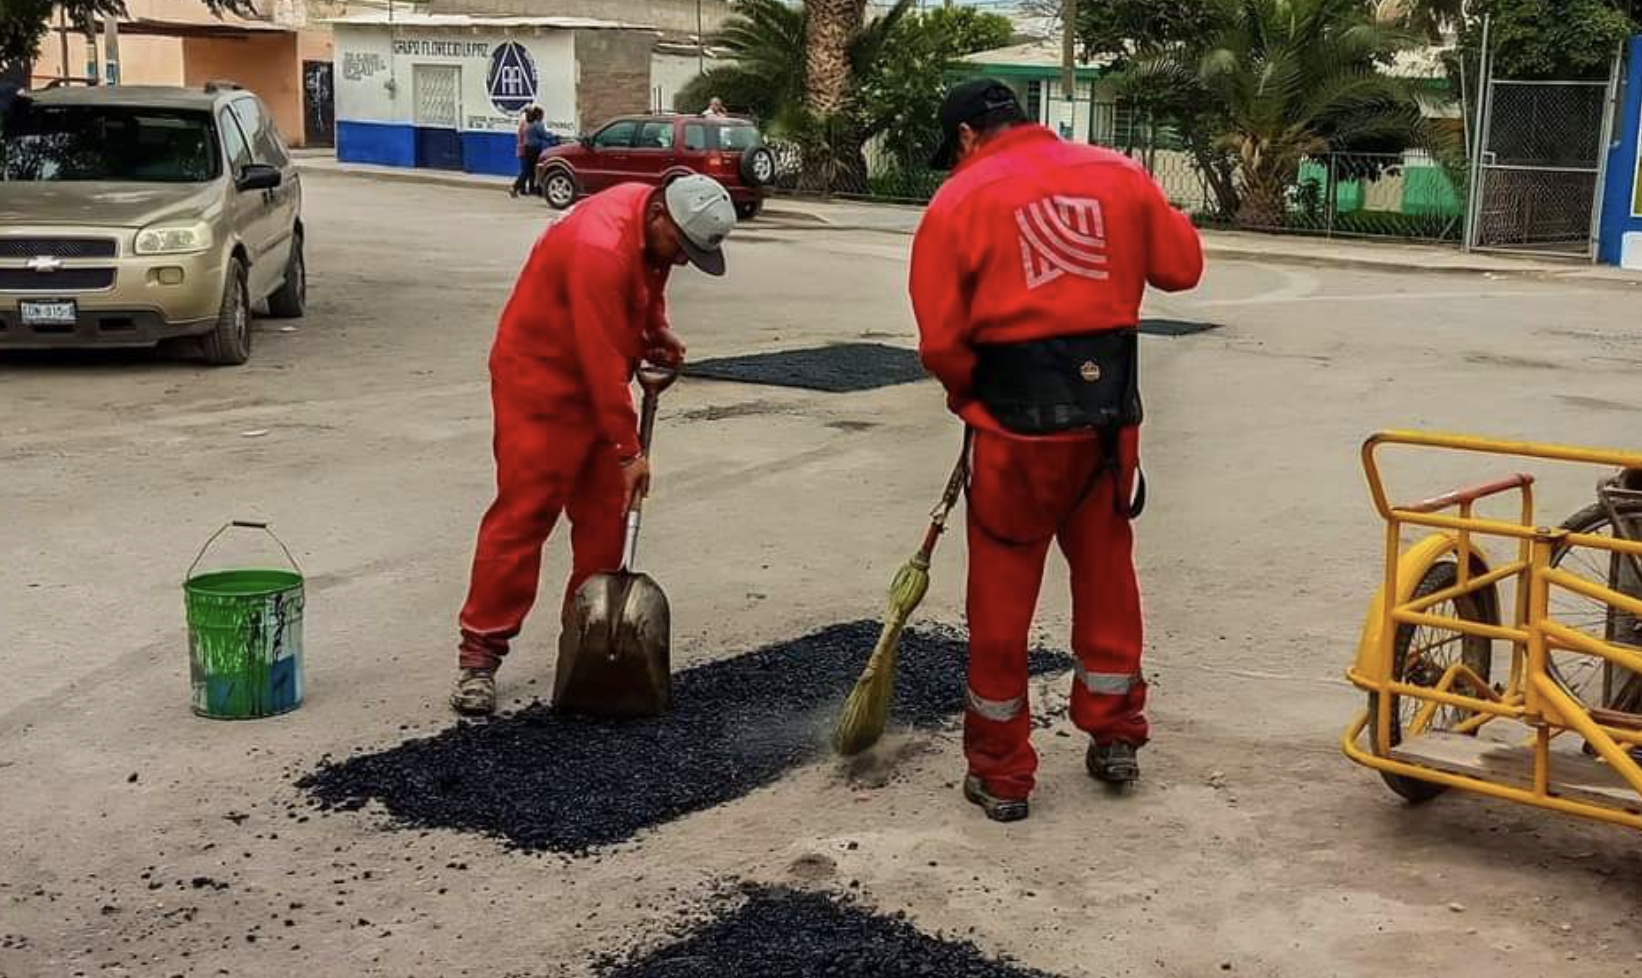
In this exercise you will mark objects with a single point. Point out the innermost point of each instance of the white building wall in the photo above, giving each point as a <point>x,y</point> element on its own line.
<point>669,73</point>
<point>375,67</point>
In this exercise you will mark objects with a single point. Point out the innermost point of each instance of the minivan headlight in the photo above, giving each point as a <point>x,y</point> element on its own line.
<point>174,239</point>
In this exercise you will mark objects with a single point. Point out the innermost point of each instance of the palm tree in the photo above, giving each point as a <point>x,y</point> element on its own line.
<point>773,77</point>
<point>1292,79</point>
<point>764,76</point>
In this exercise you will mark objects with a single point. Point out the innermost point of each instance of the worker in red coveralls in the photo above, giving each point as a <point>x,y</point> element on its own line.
<point>1027,276</point>
<point>587,307</point>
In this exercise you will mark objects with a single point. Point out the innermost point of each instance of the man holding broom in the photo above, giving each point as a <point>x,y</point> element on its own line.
<point>1027,275</point>
<point>588,305</point>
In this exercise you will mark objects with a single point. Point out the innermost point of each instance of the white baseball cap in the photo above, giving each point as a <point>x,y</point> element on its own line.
<point>705,216</point>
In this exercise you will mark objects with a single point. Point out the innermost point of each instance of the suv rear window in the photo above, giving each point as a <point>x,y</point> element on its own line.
<point>112,143</point>
<point>738,138</point>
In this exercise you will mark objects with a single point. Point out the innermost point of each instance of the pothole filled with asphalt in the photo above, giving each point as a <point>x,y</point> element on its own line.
<point>775,931</point>
<point>1174,327</point>
<point>838,369</point>
<point>545,781</point>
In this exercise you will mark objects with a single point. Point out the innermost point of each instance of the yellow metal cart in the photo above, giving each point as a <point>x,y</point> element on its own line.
<point>1563,730</point>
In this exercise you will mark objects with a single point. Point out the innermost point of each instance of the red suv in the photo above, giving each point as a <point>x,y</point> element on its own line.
<point>654,149</point>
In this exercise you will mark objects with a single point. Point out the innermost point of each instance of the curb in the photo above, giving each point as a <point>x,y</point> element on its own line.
<point>389,175</point>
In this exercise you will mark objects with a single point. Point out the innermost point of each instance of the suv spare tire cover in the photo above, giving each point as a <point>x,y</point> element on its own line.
<point>755,162</point>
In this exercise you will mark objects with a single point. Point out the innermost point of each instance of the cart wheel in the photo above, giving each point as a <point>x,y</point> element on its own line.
<point>1421,655</point>
<point>1590,679</point>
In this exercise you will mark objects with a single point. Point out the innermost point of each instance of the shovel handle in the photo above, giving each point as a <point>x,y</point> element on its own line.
<point>630,545</point>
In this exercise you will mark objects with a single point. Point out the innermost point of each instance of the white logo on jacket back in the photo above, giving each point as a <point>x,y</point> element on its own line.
<point>1062,236</point>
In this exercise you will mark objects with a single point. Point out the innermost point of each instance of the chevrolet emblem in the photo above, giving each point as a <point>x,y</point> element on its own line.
<point>43,263</point>
<point>1090,371</point>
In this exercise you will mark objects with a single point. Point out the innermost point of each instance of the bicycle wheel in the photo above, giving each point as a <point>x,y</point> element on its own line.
<point>1422,655</point>
<point>1591,679</point>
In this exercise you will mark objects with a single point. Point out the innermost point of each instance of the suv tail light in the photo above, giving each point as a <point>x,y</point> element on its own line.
<point>721,163</point>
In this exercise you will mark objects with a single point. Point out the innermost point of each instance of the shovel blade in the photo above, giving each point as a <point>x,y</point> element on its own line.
<point>615,655</point>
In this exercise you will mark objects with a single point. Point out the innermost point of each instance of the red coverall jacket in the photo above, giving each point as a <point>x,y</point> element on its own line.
<point>1035,237</point>
<point>582,314</point>
<point>1030,238</point>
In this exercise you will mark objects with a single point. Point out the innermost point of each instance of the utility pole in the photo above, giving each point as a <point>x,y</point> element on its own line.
<point>88,27</point>
<point>62,39</point>
<point>111,49</point>
<point>1069,61</point>
<point>701,43</point>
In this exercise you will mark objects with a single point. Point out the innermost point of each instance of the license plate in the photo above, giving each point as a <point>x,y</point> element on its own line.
<point>49,312</point>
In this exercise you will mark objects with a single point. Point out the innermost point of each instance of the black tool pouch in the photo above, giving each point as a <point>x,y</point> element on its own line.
<point>1068,383</point>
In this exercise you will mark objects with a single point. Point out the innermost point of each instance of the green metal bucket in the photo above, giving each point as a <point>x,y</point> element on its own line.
<point>244,636</point>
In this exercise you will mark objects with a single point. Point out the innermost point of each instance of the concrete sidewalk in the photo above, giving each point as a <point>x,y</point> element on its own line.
<point>1387,256</point>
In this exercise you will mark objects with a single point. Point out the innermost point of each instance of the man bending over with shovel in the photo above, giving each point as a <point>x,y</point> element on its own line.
<point>1027,276</point>
<point>587,307</point>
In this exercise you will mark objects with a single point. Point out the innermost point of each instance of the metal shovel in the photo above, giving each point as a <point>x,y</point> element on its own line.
<point>615,654</point>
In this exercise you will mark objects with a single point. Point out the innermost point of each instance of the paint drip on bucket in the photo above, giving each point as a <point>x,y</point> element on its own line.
<point>245,637</point>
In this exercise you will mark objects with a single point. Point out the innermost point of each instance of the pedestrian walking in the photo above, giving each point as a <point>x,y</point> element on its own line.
<point>587,307</point>
<point>1027,275</point>
<point>525,182</point>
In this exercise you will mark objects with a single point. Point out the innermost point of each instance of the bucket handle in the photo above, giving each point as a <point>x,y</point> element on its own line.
<point>241,525</point>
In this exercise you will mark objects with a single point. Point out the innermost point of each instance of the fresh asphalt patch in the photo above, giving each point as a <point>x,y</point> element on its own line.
<point>796,934</point>
<point>839,369</point>
<point>546,781</point>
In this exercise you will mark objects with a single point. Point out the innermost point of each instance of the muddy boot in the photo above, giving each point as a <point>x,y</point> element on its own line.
<point>997,809</point>
<point>475,693</point>
<point>1115,763</point>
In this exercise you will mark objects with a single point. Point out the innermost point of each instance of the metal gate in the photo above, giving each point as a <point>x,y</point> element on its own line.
<point>436,93</point>
<point>1537,176</point>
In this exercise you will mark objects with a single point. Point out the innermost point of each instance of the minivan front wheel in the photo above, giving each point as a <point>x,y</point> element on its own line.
<point>229,344</point>
<point>559,188</point>
<point>291,301</point>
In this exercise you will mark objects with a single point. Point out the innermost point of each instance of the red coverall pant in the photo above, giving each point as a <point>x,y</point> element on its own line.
<point>1023,494</point>
<point>544,466</point>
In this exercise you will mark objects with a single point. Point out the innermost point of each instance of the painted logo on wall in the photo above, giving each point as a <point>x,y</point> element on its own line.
<point>511,80</point>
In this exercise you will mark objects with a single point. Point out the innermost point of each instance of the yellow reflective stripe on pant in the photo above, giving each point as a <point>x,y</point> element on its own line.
<point>1106,683</point>
<point>998,711</point>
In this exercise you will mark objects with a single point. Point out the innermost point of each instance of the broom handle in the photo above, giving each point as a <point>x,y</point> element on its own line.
<point>949,499</point>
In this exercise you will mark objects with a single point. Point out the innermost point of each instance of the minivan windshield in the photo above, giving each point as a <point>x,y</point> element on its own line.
<point>106,143</point>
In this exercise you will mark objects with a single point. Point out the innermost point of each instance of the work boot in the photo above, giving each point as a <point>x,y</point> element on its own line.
<point>1115,763</point>
<point>475,693</point>
<point>997,809</point>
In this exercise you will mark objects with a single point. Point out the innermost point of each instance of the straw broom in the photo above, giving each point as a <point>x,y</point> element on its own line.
<point>867,709</point>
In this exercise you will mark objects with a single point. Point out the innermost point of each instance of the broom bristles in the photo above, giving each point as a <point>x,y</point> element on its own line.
<point>866,712</point>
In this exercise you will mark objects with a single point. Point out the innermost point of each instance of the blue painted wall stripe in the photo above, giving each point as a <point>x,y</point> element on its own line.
<point>389,144</point>
<point>1619,193</point>
<point>490,152</point>
<point>378,143</point>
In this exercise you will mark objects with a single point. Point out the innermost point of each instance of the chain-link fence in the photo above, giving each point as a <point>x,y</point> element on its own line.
<point>1540,165</point>
<point>1407,196</point>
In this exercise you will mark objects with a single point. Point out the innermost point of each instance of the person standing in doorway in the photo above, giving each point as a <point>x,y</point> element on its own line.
<point>1027,275</point>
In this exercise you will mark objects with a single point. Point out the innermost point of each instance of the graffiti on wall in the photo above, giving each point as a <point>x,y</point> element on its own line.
<point>359,65</point>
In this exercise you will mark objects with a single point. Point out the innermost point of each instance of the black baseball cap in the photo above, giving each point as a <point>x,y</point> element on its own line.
<point>968,102</point>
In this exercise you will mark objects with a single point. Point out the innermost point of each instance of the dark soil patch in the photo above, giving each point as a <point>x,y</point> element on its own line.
<point>547,781</point>
<point>794,934</point>
<point>838,369</point>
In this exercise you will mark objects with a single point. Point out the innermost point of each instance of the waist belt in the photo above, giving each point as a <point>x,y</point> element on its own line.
<point>1089,381</point>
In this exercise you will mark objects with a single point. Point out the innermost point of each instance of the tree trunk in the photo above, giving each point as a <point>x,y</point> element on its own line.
<point>1264,197</point>
<point>831,26</point>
